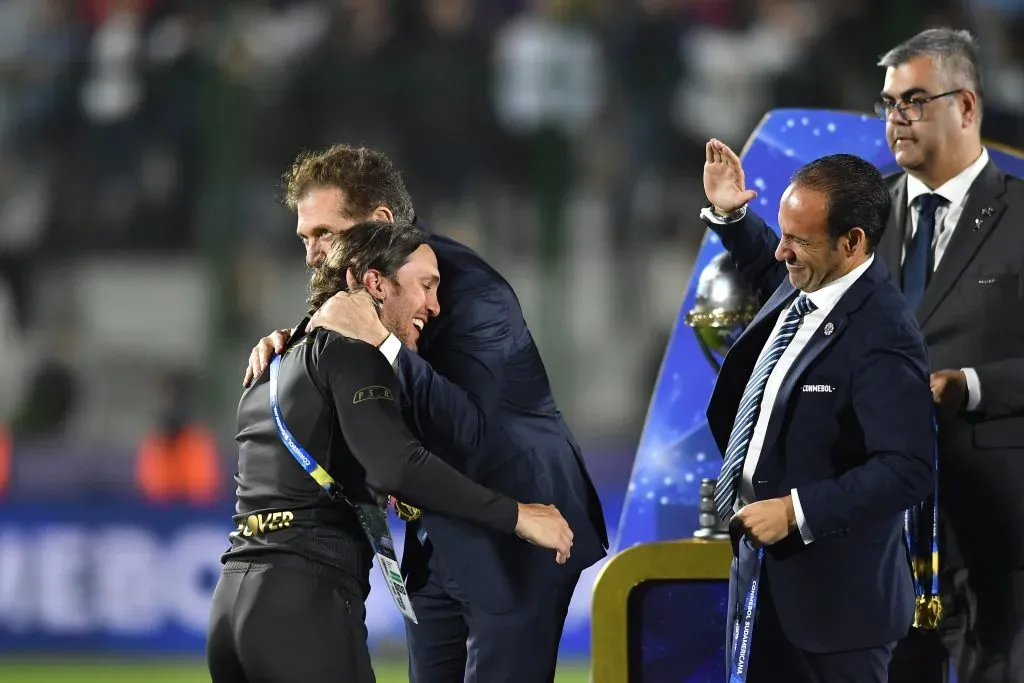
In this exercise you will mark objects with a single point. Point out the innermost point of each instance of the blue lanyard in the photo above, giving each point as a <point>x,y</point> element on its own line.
<point>925,565</point>
<point>743,625</point>
<point>371,517</point>
<point>312,468</point>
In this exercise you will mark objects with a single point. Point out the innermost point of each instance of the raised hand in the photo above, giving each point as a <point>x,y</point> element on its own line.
<point>723,178</point>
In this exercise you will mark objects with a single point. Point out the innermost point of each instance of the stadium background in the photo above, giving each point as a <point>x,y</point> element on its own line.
<point>142,252</point>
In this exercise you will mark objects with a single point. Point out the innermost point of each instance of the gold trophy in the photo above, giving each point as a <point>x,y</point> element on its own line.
<point>723,308</point>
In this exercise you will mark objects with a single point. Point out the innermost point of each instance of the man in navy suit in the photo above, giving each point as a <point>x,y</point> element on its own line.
<point>824,416</point>
<point>474,391</point>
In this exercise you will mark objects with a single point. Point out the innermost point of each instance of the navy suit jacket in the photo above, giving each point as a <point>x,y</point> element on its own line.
<point>858,454</point>
<point>477,395</point>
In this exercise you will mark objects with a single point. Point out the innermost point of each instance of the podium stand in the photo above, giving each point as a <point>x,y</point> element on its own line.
<point>658,613</point>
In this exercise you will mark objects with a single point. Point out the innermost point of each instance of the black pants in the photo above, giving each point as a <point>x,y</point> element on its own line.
<point>286,620</point>
<point>774,659</point>
<point>457,642</point>
<point>982,632</point>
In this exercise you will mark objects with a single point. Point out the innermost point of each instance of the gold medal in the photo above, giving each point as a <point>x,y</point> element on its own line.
<point>934,612</point>
<point>927,612</point>
<point>407,512</point>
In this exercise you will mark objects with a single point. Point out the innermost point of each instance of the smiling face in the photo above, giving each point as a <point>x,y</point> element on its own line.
<point>394,263</point>
<point>811,256</point>
<point>409,299</point>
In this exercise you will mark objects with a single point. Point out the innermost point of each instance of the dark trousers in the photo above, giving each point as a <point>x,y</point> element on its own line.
<point>774,659</point>
<point>982,632</point>
<point>285,621</point>
<point>458,642</point>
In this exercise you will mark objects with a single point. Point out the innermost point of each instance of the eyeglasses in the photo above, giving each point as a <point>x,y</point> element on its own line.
<point>910,110</point>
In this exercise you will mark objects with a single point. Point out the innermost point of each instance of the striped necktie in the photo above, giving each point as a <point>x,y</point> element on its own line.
<point>750,406</point>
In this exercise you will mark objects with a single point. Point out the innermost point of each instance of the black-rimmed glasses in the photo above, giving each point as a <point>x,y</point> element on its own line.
<point>910,110</point>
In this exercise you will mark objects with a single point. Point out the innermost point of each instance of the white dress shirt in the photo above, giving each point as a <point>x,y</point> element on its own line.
<point>825,300</point>
<point>390,348</point>
<point>954,191</point>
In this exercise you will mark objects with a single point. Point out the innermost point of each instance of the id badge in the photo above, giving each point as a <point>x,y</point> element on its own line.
<point>375,525</point>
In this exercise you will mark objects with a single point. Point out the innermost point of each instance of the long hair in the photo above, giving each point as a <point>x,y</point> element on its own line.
<point>376,245</point>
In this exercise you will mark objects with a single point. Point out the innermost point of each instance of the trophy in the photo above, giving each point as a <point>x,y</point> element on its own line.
<point>723,308</point>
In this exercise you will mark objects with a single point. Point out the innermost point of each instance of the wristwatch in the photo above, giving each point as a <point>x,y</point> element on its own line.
<point>708,215</point>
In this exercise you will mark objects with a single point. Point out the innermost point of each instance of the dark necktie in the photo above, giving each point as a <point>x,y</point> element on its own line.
<point>917,265</point>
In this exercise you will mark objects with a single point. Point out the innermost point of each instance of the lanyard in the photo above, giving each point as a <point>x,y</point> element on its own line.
<point>371,517</point>
<point>925,560</point>
<point>743,625</point>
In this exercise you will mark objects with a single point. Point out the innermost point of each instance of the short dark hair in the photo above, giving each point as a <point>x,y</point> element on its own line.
<point>856,195</point>
<point>366,177</point>
<point>955,54</point>
<point>377,245</point>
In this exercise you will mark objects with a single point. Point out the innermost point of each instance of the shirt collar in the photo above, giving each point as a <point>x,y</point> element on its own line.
<point>828,296</point>
<point>953,190</point>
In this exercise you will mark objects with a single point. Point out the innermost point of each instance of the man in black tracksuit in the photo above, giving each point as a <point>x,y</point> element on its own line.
<point>289,604</point>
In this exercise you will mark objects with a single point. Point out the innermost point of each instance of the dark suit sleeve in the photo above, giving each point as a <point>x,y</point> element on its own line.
<point>752,244</point>
<point>893,404</point>
<point>453,400</point>
<point>1002,388</point>
<point>364,390</point>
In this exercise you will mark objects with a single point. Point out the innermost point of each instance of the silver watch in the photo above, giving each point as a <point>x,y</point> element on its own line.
<point>708,215</point>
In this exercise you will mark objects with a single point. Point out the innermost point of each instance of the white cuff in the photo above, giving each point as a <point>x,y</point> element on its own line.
<point>801,522</point>
<point>390,348</point>
<point>973,388</point>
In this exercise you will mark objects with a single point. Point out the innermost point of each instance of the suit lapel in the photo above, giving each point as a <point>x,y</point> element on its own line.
<point>768,313</point>
<point>891,247</point>
<point>968,236</point>
<point>828,332</point>
<point>739,363</point>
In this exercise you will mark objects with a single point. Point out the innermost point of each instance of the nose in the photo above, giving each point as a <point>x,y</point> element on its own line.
<point>433,305</point>
<point>312,253</point>
<point>895,118</point>
<point>782,252</point>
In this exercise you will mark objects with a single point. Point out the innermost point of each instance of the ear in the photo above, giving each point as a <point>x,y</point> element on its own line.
<point>373,281</point>
<point>382,213</point>
<point>968,108</point>
<point>855,240</point>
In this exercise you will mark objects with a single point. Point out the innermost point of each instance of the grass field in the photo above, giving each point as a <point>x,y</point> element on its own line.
<point>90,671</point>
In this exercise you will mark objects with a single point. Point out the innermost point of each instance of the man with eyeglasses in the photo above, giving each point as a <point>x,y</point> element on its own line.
<point>955,246</point>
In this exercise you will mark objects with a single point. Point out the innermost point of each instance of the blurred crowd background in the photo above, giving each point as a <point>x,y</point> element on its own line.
<point>144,249</point>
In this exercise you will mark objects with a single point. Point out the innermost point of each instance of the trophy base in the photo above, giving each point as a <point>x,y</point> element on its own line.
<point>711,534</point>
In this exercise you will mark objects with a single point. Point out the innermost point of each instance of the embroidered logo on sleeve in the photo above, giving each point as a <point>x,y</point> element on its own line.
<point>371,393</point>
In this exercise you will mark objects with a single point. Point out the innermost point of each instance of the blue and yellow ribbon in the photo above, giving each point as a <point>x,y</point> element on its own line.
<point>924,554</point>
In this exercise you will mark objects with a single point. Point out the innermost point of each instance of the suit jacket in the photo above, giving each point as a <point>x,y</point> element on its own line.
<point>477,394</point>
<point>972,316</point>
<point>858,455</point>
